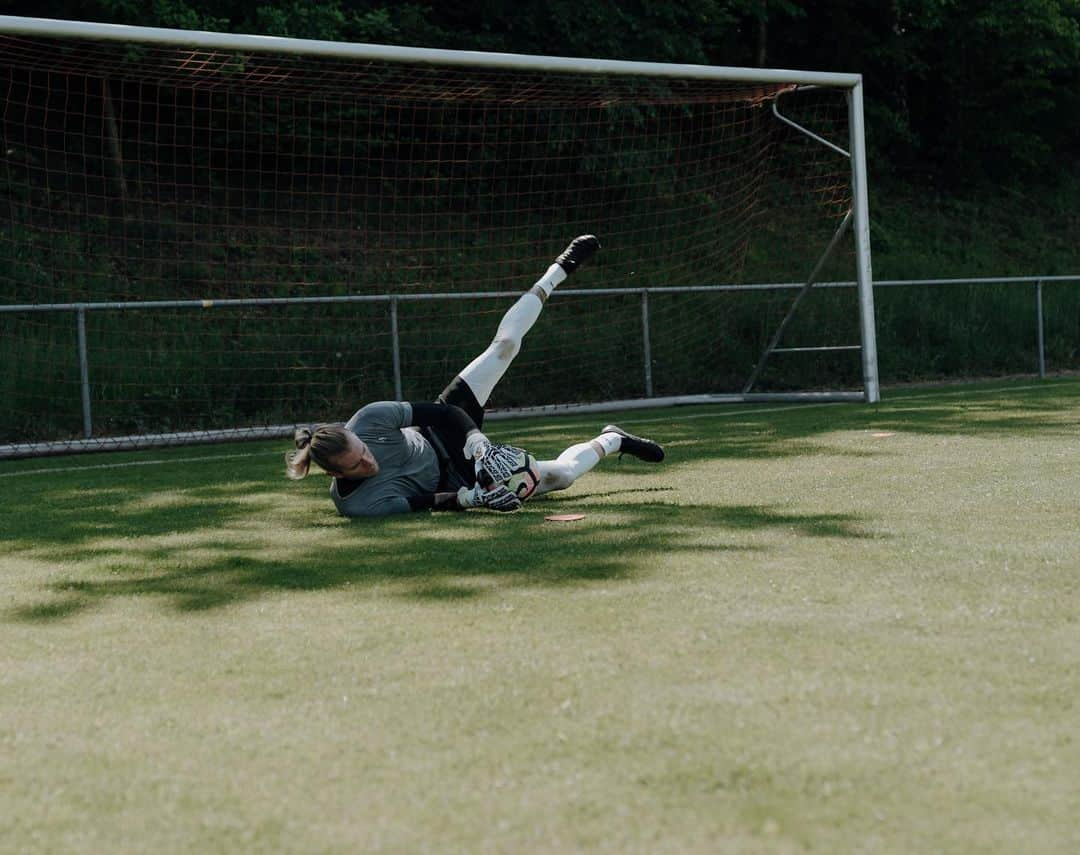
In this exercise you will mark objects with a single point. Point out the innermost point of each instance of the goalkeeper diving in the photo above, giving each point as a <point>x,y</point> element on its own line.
<point>395,457</point>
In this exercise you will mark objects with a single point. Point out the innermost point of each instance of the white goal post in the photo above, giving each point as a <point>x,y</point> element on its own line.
<point>210,236</point>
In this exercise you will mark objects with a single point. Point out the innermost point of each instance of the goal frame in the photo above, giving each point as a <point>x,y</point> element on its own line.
<point>857,219</point>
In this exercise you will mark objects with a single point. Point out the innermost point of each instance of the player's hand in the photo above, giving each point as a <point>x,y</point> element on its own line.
<point>500,499</point>
<point>497,499</point>
<point>495,464</point>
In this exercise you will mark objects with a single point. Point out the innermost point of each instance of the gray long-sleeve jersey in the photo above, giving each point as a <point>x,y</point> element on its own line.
<point>408,465</point>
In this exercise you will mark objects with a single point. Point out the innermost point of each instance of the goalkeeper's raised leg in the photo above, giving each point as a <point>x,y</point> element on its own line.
<point>484,372</point>
<point>471,389</point>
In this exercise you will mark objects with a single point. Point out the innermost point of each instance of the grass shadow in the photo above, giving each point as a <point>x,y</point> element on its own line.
<point>203,536</point>
<point>435,558</point>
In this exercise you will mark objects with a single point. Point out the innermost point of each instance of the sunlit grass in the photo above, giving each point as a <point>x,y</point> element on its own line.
<point>832,627</point>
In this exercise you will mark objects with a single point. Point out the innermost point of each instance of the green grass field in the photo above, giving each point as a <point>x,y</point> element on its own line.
<point>831,628</point>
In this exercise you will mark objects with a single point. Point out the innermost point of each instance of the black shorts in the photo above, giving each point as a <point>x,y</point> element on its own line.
<point>456,470</point>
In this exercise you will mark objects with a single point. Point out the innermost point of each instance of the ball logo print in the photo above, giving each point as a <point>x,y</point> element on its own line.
<point>514,467</point>
<point>524,476</point>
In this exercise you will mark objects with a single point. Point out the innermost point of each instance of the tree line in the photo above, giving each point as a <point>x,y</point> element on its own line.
<point>959,93</point>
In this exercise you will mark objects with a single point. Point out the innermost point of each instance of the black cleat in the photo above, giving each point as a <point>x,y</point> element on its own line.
<point>636,446</point>
<point>581,249</point>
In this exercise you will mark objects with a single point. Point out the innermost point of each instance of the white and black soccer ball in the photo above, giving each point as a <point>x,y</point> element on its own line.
<point>524,475</point>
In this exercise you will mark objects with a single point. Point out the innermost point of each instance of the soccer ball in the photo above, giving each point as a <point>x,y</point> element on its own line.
<point>525,475</point>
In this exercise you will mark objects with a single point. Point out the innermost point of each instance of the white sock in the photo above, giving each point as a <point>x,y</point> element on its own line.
<point>519,318</point>
<point>488,368</point>
<point>610,442</point>
<point>560,473</point>
<point>547,283</point>
<point>580,458</point>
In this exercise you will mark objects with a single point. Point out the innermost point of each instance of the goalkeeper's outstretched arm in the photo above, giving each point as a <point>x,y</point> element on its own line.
<point>496,498</point>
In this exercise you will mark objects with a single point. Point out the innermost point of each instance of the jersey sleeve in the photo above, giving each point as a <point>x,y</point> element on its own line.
<point>383,508</point>
<point>382,415</point>
<point>435,502</point>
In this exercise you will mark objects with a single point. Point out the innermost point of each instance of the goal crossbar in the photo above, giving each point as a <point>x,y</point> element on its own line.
<point>49,28</point>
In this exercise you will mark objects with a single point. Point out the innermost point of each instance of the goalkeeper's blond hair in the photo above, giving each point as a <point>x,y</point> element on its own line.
<point>319,444</point>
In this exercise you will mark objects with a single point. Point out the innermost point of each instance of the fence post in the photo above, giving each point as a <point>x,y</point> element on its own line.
<point>1041,341</point>
<point>84,372</point>
<point>645,340</point>
<point>396,345</point>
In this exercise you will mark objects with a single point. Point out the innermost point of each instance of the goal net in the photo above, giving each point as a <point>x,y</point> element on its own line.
<point>212,236</point>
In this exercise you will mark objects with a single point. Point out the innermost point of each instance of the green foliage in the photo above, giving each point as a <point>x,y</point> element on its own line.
<point>956,92</point>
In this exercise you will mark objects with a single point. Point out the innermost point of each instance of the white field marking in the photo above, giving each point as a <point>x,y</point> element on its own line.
<point>716,415</point>
<point>70,469</point>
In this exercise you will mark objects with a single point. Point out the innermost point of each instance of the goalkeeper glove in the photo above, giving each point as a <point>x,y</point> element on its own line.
<point>496,463</point>
<point>501,499</point>
<point>498,499</point>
